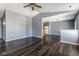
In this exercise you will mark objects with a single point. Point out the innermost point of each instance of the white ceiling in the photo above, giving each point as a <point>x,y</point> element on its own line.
<point>60,17</point>
<point>53,7</point>
<point>46,7</point>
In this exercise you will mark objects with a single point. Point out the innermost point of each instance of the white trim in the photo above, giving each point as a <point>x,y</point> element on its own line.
<point>69,42</point>
<point>75,24</point>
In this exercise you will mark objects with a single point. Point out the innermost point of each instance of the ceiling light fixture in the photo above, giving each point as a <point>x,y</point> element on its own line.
<point>33,5</point>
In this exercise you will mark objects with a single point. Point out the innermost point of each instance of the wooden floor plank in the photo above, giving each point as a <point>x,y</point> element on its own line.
<point>52,48</point>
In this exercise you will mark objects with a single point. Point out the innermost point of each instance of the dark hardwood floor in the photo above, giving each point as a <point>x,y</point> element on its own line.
<point>32,46</point>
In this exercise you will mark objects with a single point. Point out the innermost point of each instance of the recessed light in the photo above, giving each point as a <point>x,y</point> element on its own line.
<point>70,6</point>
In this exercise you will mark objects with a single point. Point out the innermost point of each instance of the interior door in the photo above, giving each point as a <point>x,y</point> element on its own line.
<point>2,32</point>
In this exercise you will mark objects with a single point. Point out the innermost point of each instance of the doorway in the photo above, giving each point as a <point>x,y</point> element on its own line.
<point>2,32</point>
<point>45,30</point>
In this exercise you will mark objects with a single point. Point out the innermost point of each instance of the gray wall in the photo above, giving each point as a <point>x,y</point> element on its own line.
<point>1,14</point>
<point>36,26</point>
<point>37,22</point>
<point>77,22</point>
<point>0,27</point>
<point>56,27</point>
<point>17,26</point>
<point>20,26</point>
